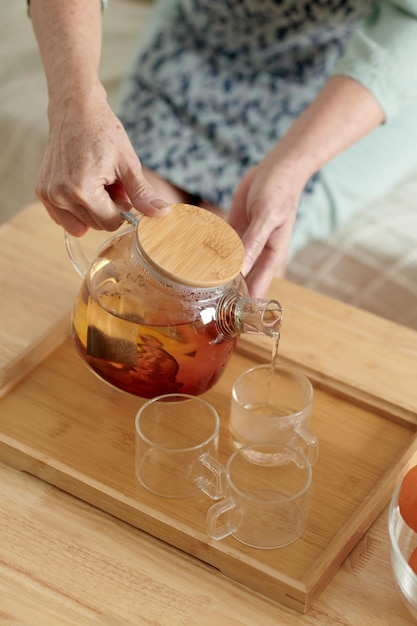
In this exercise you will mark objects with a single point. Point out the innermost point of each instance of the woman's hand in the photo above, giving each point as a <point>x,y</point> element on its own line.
<point>265,203</point>
<point>263,212</point>
<point>90,169</point>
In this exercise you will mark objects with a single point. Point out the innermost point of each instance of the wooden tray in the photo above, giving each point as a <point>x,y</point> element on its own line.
<point>63,425</point>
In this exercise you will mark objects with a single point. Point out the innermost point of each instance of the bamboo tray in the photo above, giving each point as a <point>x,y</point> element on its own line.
<point>61,424</point>
<point>65,426</point>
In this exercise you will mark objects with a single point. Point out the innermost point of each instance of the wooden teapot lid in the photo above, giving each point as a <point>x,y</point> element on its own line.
<point>191,245</point>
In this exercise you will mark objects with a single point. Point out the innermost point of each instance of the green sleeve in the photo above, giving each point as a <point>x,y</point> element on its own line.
<point>382,54</point>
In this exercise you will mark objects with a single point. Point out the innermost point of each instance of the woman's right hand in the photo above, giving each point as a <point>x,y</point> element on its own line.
<point>90,169</point>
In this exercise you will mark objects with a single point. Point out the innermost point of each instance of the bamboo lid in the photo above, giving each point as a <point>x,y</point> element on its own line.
<point>192,246</point>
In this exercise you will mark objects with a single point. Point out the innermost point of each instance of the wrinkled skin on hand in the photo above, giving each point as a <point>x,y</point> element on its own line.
<point>90,170</point>
<point>263,213</point>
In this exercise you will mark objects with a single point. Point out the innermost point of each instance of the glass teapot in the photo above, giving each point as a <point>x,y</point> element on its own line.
<point>162,304</point>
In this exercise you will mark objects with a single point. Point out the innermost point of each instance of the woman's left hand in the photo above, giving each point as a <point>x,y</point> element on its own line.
<point>266,200</point>
<point>263,213</point>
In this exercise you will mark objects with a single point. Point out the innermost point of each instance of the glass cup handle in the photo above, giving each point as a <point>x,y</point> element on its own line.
<point>311,441</point>
<point>215,487</point>
<point>215,512</point>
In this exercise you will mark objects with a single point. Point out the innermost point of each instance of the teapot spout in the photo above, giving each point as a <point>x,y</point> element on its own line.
<point>237,314</point>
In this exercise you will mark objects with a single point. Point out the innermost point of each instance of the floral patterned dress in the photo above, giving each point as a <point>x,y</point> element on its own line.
<point>215,83</point>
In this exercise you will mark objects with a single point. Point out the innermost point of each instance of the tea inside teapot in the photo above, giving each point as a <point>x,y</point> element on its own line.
<point>151,329</point>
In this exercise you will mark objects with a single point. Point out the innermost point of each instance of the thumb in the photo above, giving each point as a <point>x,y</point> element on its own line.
<point>141,194</point>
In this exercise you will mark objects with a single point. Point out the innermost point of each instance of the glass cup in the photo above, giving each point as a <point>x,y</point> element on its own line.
<point>266,496</point>
<point>273,405</point>
<point>174,435</point>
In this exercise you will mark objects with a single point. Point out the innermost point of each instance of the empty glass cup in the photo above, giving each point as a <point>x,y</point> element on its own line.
<point>174,435</point>
<point>266,496</point>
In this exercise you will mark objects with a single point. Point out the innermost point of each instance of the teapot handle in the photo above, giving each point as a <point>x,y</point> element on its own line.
<point>76,253</point>
<point>131,218</point>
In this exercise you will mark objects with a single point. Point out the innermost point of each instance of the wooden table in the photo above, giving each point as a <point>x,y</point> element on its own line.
<point>63,561</point>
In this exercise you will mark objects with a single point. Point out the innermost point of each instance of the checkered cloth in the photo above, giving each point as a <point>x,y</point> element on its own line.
<point>372,262</point>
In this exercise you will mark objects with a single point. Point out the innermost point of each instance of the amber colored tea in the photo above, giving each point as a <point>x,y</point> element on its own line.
<point>145,332</point>
<point>149,360</point>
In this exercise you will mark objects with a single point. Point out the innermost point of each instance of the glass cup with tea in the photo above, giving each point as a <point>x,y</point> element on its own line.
<point>273,403</point>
